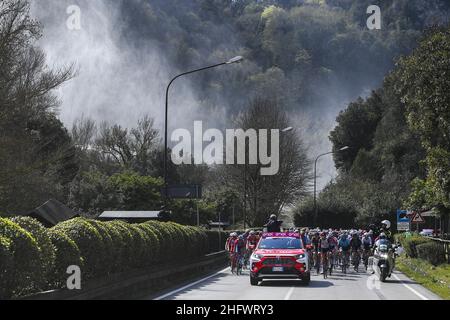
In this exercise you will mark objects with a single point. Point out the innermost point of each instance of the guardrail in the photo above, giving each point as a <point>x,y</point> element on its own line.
<point>445,244</point>
<point>137,284</point>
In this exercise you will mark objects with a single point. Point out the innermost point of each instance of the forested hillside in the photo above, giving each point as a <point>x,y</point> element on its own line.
<point>306,58</point>
<point>399,138</point>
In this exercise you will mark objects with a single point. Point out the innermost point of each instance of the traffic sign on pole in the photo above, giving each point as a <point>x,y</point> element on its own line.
<point>403,221</point>
<point>418,218</point>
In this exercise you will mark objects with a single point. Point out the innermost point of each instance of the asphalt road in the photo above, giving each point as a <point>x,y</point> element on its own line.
<point>354,286</point>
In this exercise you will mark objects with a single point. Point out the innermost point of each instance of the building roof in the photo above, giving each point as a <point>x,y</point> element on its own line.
<point>130,215</point>
<point>52,212</point>
<point>217,224</point>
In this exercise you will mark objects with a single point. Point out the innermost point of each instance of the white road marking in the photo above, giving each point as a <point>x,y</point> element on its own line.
<point>411,289</point>
<point>190,285</point>
<point>289,294</point>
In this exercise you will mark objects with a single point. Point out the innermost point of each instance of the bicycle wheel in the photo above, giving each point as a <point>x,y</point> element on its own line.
<point>318,263</point>
<point>325,267</point>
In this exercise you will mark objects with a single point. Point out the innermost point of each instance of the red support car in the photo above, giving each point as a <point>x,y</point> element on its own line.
<point>279,256</point>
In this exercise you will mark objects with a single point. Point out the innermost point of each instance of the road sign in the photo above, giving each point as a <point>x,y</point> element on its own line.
<point>182,192</point>
<point>403,220</point>
<point>402,216</point>
<point>418,218</point>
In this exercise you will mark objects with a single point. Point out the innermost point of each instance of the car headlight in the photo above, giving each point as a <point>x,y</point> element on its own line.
<point>256,257</point>
<point>300,256</point>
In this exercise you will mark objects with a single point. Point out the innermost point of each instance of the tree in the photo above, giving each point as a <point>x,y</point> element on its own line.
<point>266,195</point>
<point>131,149</point>
<point>424,86</point>
<point>36,152</point>
<point>356,129</point>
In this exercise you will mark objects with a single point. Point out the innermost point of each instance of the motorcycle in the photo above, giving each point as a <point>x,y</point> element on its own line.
<point>382,262</point>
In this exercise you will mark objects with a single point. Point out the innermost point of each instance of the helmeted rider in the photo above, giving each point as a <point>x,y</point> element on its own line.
<point>273,225</point>
<point>332,239</point>
<point>229,244</point>
<point>383,239</point>
<point>385,228</point>
<point>355,242</point>
<point>252,240</point>
<point>324,244</point>
<point>315,242</point>
<point>367,241</point>
<point>305,239</point>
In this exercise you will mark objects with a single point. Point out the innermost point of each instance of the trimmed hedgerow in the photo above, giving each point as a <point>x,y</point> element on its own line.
<point>6,267</point>
<point>33,257</point>
<point>90,243</point>
<point>46,248</point>
<point>23,275</point>
<point>67,254</point>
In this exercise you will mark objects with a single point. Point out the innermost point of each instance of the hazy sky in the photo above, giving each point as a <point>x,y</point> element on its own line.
<point>118,83</point>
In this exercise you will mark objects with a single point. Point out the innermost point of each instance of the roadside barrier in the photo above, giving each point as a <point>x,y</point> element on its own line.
<point>137,284</point>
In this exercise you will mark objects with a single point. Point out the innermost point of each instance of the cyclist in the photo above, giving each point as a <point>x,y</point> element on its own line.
<point>315,248</point>
<point>304,237</point>
<point>344,247</point>
<point>355,245</point>
<point>333,241</point>
<point>367,247</point>
<point>229,247</point>
<point>230,242</point>
<point>252,241</point>
<point>237,251</point>
<point>367,241</point>
<point>324,248</point>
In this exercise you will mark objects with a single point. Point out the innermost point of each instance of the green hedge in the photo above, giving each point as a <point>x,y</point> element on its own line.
<point>67,254</point>
<point>47,254</point>
<point>418,247</point>
<point>432,252</point>
<point>34,258</point>
<point>410,243</point>
<point>21,274</point>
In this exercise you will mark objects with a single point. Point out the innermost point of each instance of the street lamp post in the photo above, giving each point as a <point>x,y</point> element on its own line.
<point>237,59</point>
<point>315,179</point>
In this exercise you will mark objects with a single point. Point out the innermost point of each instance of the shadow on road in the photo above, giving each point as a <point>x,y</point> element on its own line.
<point>296,283</point>
<point>391,281</point>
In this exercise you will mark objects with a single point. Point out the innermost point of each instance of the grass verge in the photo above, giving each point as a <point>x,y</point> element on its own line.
<point>436,279</point>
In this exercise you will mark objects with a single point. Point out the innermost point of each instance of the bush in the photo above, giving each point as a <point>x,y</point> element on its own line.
<point>30,259</point>
<point>119,252</point>
<point>67,254</point>
<point>153,245</point>
<point>6,266</point>
<point>432,252</point>
<point>124,249</point>
<point>19,243</point>
<point>90,243</point>
<point>46,248</point>
<point>410,243</point>
<point>108,255</point>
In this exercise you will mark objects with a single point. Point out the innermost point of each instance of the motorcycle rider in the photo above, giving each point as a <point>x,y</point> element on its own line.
<point>382,239</point>
<point>385,226</point>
